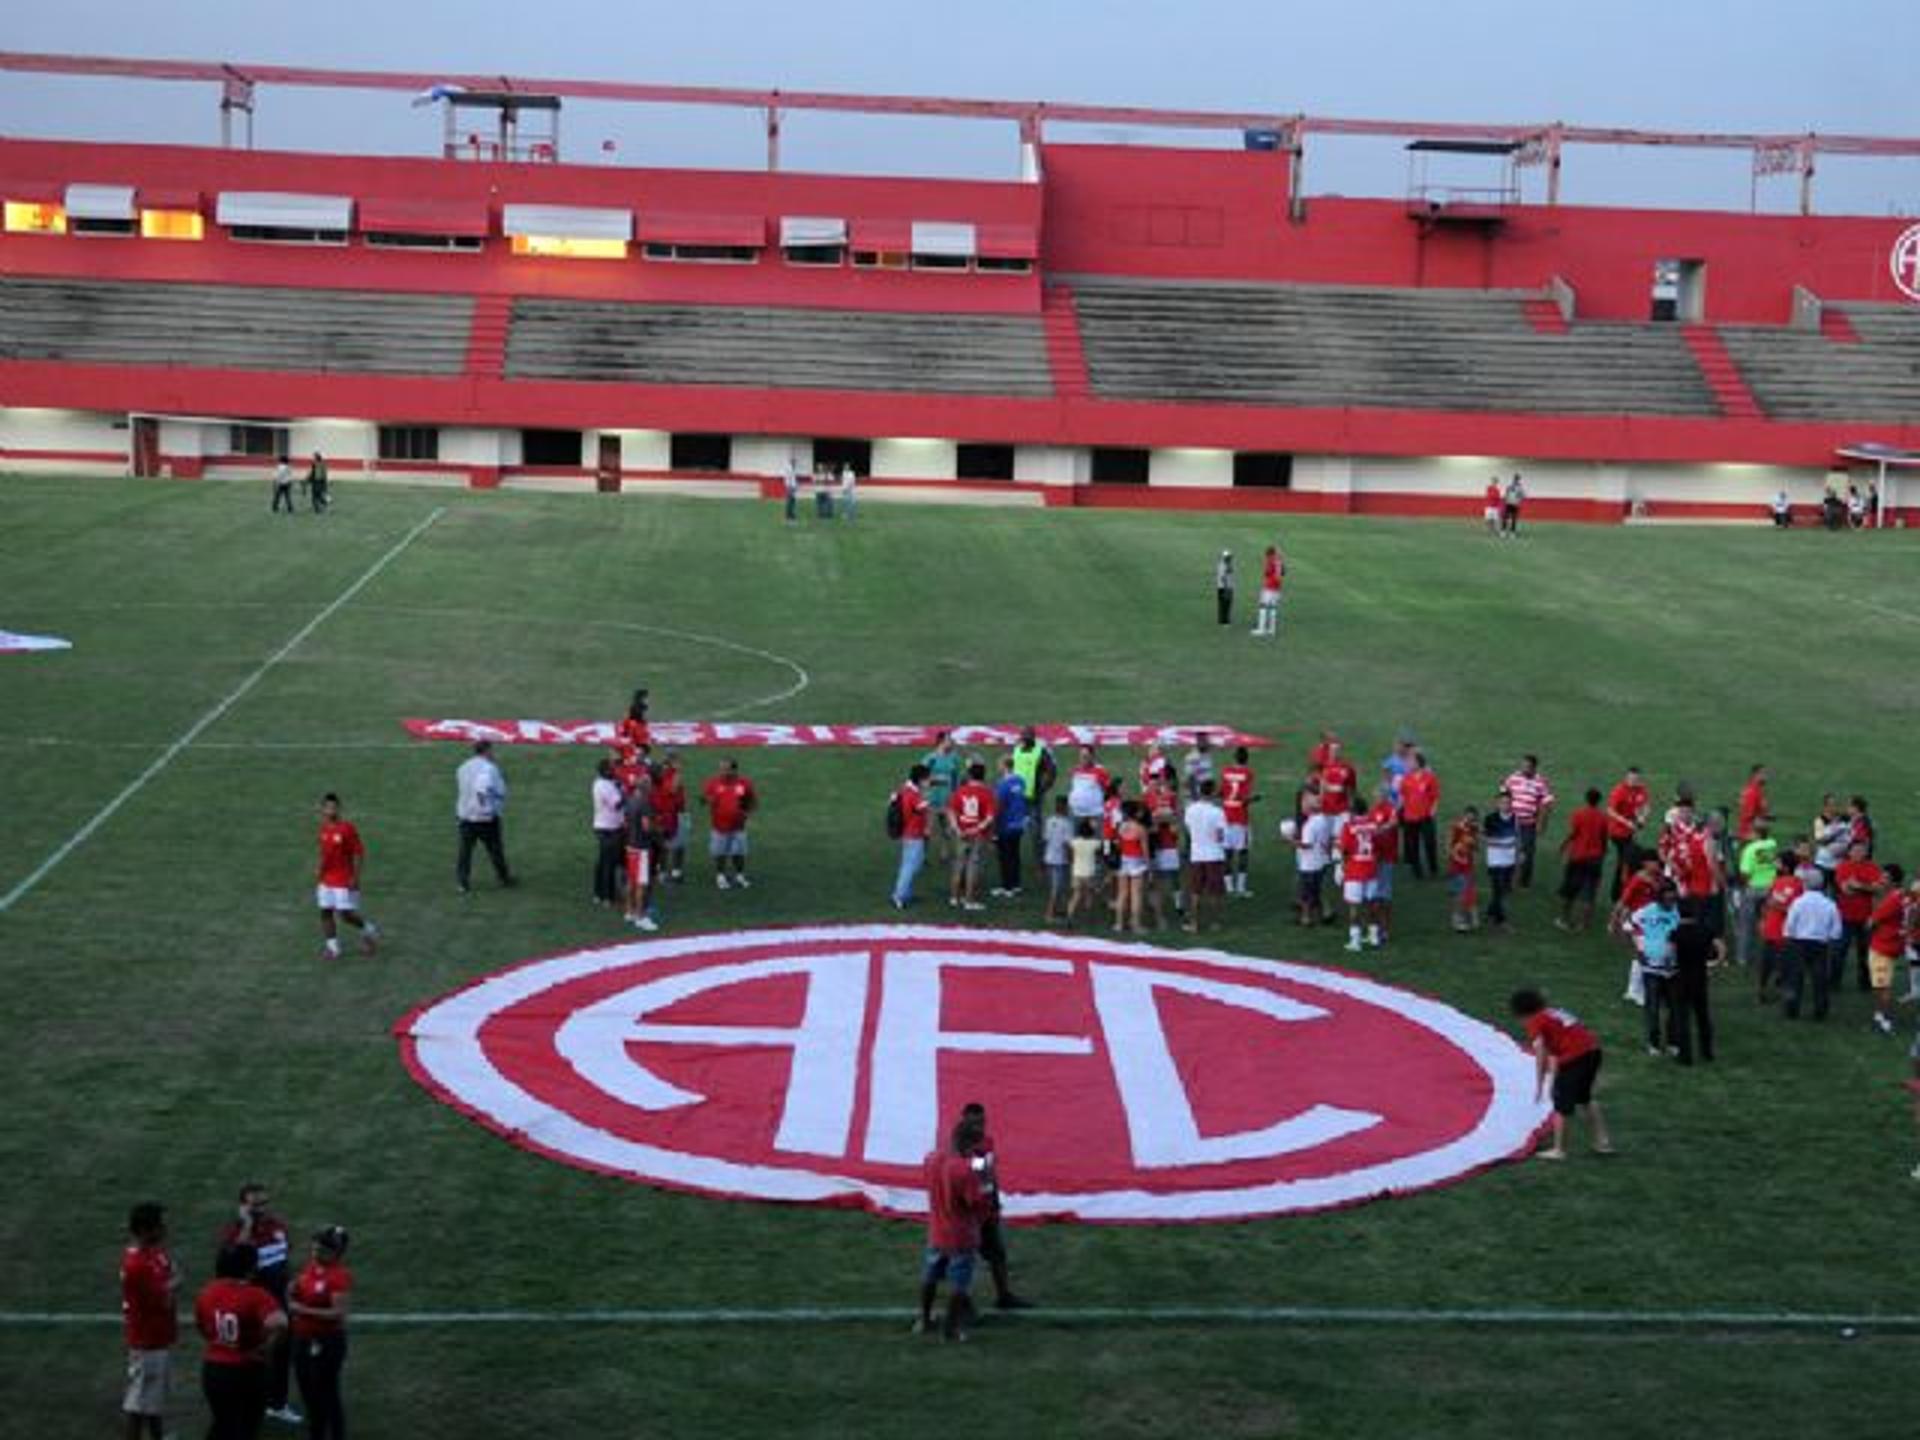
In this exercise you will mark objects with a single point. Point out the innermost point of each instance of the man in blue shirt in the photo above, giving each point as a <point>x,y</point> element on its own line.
<point>1653,927</point>
<point>1009,825</point>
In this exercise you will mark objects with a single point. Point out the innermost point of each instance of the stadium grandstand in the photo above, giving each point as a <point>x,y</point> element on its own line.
<point>1147,325</point>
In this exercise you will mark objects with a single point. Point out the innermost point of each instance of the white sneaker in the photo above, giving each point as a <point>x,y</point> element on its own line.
<point>1916,1172</point>
<point>721,882</point>
<point>971,905</point>
<point>1882,1023</point>
<point>286,1415</point>
<point>743,882</point>
<point>1354,946</point>
<point>647,923</point>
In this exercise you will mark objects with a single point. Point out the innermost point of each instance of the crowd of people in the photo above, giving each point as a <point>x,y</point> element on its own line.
<point>263,1326</point>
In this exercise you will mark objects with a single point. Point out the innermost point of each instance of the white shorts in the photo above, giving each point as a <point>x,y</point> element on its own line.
<point>1269,597</point>
<point>724,843</point>
<point>1133,865</point>
<point>1490,514</point>
<point>1167,862</point>
<point>1354,892</point>
<point>149,1375</point>
<point>336,897</point>
<point>1236,838</point>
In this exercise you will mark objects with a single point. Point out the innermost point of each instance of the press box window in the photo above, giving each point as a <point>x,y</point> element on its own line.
<point>409,442</point>
<point>983,462</point>
<point>264,440</point>
<point>923,261</point>
<point>701,254</point>
<point>1120,467</point>
<point>550,447</point>
<point>824,255</point>
<point>835,453</point>
<point>288,235</point>
<point>1004,265</point>
<point>81,225</point>
<point>395,240</point>
<point>880,259</point>
<point>1262,470</point>
<point>700,452</point>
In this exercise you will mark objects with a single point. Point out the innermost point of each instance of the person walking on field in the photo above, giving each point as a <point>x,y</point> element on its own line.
<point>1493,504</point>
<point>1568,1054</point>
<point>1628,805</point>
<point>338,889</point>
<point>317,494</point>
<point>1532,807</point>
<point>1223,587</point>
<point>480,797</point>
<point>1273,575</point>
<point>1511,500</point>
<point>149,1284</point>
<point>318,1305</point>
<point>1585,852</point>
<point>282,486</point>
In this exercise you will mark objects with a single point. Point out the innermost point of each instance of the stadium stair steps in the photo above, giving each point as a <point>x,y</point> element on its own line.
<point>1722,375</point>
<point>1065,354</point>
<point>1835,326</point>
<point>487,341</point>
<point>1545,317</point>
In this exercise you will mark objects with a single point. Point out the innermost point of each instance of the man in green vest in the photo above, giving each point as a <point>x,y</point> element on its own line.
<point>1758,865</point>
<point>1033,763</point>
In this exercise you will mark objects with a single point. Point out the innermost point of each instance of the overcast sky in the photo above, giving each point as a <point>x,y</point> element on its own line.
<point>1846,65</point>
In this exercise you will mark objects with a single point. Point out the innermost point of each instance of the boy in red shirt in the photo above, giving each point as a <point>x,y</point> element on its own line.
<point>1463,850</point>
<point>1360,865</point>
<point>1627,806</point>
<point>1585,849</point>
<point>1568,1052</point>
<point>1753,803</point>
<point>1272,576</point>
<point>1236,800</point>
<point>730,798</point>
<point>241,1325</point>
<point>1786,889</point>
<point>957,1207</point>
<point>670,816</point>
<point>338,889</point>
<point>148,1283</point>
<point>1857,882</point>
<point>1337,781</point>
<point>1887,926</point>
<point>972,809</point>
<point>318,1302</point>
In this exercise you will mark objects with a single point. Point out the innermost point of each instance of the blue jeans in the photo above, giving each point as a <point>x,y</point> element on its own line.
<point>913,854</point>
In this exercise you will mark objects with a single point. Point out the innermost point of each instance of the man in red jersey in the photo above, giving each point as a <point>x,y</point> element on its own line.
<point>338,890</point>
<point>1753,803</point>
<point>1787,887</point>
<point>318,1304</point>
<point>1627,806</point>
<point>730,798</point>
<point>148,1284</point>
<point>1236,799</point>
<point>1384,817</point>
<point>1419,805</point>
<point>1566,1051</point>
<point>1585,849</point>
<point>1888,929</point>
<point>1337,781</point>
<point>956,1209</point>
<point>1492,505</point>
<point>1857,885</point>
<point>255,1225</point>
<point>670,816</point>
<point>1359,866</point>
<point>242,1326</point>
<point>1323,752</point>
<point>633,734</point>
<point>993,1244</point>
<point>1273,575</point>
<point>914,809</point>
<point>972,809</point>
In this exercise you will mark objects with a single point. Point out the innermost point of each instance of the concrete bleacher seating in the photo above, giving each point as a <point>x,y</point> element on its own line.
<point>233,326</point>
<point>777,348</point>
<point>1335,346</point>
<point>1806,375</point>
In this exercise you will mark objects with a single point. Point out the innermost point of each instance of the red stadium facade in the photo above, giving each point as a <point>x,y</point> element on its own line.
<point>1125,325</point>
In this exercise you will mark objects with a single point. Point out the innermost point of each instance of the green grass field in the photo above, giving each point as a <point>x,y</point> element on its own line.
<point>169,1030</point>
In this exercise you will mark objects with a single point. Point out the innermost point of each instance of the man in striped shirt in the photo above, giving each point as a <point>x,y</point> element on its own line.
<point>1532,805</point>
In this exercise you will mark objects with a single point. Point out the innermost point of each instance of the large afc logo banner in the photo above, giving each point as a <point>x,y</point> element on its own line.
<point>1904,261</point>
<point>1123,1082</point>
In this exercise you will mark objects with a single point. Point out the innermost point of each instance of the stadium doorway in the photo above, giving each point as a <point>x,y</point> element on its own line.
<point>606,470</point>
<point>145,445</point>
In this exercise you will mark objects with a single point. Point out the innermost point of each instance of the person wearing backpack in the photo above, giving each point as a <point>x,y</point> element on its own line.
<point>907,811</point>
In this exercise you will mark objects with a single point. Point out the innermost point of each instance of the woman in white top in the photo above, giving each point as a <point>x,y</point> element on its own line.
<point>609,832</point>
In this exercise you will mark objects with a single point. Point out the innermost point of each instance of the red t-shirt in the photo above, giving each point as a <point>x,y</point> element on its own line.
<point>729,797</point>
<point>1357,851</point>
<point>320,1284</point>
<point>1494,495</point>
<point>1753,803</point>
<point>340,854</point>
<point>913,811</point>
<point>955,1203</point>
<point>1691,861</point>
<point>1385,821</point>
<point>1587,834</point>
<point>1270,579</point>
<point>1627,800</point>
<point>973,808</point>
<point>1856,904</point>
<point>1236,789</point>
<point>1337,779</point>
<point>1463,840</point>
<point>1133,841</point>
<point>1567,1038</point>
<point>1773,919</point>
<point>1419,794</point>
<point>633,734</point>
<point>1638,891</point>
<point>669,800</point>
<point>1152,769</point>
<point>1319,757</point>
<point>146,1297</point>
<point>232,1316</point>
<point>1889,922</point>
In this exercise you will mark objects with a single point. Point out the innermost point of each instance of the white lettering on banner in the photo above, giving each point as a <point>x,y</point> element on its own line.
<point>695,733</point>
<point>903,1089</point>
<point>1159,1111</point>
<point>818,1108</point>
<point>984,735</point>
<point>1905,262</point>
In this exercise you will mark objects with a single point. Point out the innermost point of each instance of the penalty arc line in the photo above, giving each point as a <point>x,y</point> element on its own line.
<point>1306,1315</point>
<point>199,727</point>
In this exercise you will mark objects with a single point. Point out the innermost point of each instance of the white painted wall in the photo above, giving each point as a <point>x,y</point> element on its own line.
<point>767,454</point>
<point>916,459</point>
<point>71,430</point>
<point>639,449</point>
<point>1323,474</point>
<point>1052,464</point>
<point>463,445</point>
<point>1191,468</point>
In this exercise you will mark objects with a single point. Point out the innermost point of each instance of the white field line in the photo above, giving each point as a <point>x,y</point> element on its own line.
<point>193,732</point>
<point>1224,1315</point>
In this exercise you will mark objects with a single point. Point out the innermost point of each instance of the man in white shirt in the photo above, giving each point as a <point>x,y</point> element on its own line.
<point>282,486</point>
<point>1313,840</point>
<point>1813,928</point>
<point>609,834</point>
<point>480,796</point>
<point>848,483</point>
<point>1206,856</point>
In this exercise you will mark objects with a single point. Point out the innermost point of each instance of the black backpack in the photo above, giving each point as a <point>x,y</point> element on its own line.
<point>896,817</point>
